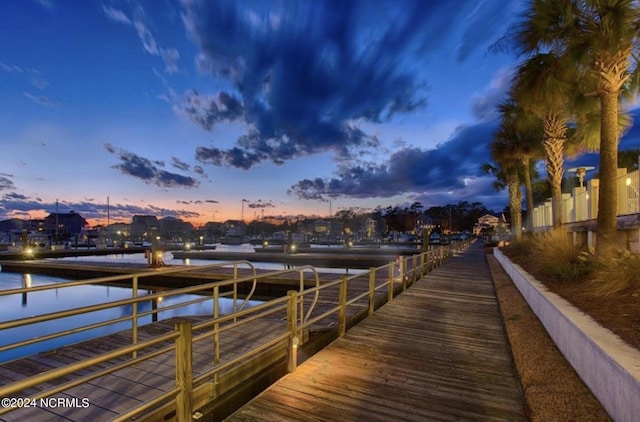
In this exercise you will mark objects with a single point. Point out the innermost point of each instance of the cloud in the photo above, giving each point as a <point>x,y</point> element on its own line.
<point>485,104</point>
<point>170,56</point>
<point>5,182</point>
<point>116,15</point>
<point>453,166</point>
<point>39,83</point>
<point>306,76</point>
<point>142,168</point>
<point>47,4</point>
<point>260,204</point>
<point>38,99</point>
<point>15,205</point>
<point>199,170</point>
<point>208,110</point>
<point>179,164</point>
<point>482,27</point>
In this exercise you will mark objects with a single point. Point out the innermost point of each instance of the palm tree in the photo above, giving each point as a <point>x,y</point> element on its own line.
<point>527,135</point>
<point>542,86</point>
<point>504,153</point>
<point>600,37</point>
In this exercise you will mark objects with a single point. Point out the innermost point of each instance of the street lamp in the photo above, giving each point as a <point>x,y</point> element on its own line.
<point>581,172</point>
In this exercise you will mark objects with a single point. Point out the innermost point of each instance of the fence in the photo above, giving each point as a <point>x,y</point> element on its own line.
<point>582,203</point>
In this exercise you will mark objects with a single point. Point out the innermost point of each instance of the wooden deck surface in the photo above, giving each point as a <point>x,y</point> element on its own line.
<point>437,352</point>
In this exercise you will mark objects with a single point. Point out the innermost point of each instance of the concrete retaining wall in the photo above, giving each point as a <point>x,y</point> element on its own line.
<point>606,364</point>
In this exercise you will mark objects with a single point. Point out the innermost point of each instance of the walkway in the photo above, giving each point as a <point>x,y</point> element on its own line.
<point>437,352</point>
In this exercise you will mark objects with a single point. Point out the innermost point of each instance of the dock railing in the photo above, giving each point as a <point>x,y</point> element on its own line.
<point>401,273</point>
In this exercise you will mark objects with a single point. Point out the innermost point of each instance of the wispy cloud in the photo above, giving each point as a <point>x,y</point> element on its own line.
<point>116,15</point>
<point>38,99</point>
<point>5,182</point>
<point>149,171</point>
<point>170,56</point>
<point>47,4</point>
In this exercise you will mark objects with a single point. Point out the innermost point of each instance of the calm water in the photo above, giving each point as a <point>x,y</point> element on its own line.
<point>37,303</point>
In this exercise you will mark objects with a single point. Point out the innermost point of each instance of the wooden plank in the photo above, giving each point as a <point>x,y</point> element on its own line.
<point>436,352</point>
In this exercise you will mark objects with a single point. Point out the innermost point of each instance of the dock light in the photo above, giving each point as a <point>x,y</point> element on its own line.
<point>628,181</point>
<point>187,246</point>
<point>295,342</point>
<point>293,248</point>
<point>28,251</point>
<point>159,299</point>
<point>265,243</point>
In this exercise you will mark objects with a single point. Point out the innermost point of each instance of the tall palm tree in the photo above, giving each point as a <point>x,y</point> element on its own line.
<point>601,37</point>
<point>543,87</point>
<point>504,153</point>
<point>526,133</point>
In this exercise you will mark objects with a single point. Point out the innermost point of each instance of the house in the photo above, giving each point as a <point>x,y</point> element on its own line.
<point>485,222</point>
<point>64,226</point>
<point>142,227</point>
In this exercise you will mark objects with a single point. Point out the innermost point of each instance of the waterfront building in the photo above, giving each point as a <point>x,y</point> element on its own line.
<point>142,227</point>
<point>64,226</point>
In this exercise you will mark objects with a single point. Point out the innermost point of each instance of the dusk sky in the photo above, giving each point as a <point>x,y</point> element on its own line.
<point>203,109</point>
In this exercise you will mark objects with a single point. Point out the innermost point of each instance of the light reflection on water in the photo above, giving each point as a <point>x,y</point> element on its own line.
<point>43,302</point>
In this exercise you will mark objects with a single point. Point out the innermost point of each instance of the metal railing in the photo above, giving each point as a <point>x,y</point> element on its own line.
<point>135,314</point>
<point>181,340</point>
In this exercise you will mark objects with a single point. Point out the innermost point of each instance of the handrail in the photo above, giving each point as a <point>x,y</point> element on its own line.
<point>220,323</point>
<point>135,300</point>
<point>122,277</point>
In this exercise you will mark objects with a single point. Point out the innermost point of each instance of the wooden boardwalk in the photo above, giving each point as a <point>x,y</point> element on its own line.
<point>437,352</point>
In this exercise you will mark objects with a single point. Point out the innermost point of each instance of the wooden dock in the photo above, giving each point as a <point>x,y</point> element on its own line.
<point>111,395</point>
<point>437,352</point>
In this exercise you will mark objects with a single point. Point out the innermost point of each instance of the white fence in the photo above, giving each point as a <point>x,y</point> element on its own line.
<point>582,203</point>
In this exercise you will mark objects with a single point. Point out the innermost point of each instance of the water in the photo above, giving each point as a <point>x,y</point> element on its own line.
<point>38,303</point>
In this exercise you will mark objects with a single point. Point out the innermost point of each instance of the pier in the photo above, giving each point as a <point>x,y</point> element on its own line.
<point>437,342</point>
<point>437,352</point>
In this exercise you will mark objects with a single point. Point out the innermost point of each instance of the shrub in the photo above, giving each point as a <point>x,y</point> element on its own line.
<point>619,274</point>
<point>554,255</point>
<point>560,259</point>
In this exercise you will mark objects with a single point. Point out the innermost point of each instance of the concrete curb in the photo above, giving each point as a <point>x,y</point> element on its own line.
<point>606,364</point>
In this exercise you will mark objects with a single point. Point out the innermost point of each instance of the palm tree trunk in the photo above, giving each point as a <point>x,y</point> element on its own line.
<point>528,189</point>
<point>554,152</point>
<point>608,193</point>
<point>515,204</point>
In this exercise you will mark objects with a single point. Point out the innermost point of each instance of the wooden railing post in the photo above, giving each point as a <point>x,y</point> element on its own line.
<point>372,289</point>
<point>403,272</point>
<point>292,327</point>
<point>301,313</point>
<point>342,303</point>
<point>215,388</point>
<point>134,313</point>
<point>184,372</point>
<point>414,269</point>
<point>391,282</point>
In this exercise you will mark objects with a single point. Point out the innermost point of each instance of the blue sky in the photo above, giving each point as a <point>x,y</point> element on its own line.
<point>203,109</point>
